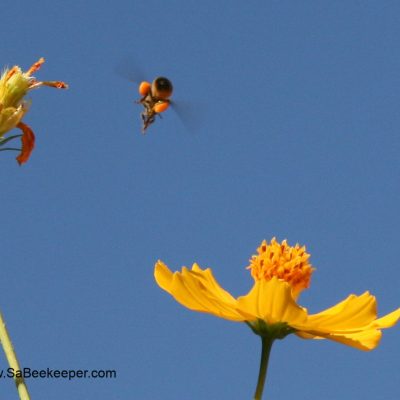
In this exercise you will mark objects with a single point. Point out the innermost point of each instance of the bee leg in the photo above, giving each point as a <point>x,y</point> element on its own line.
<point>147,119</point>
<point>142,100</point>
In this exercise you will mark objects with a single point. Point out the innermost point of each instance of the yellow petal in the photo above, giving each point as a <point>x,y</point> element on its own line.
<point>272,302</point>
<point>163,276</point>
<point>197,290</point>
<point>365,340</point>
<point>351,322</point>
<point>388,320</point>
<point>352,313</point>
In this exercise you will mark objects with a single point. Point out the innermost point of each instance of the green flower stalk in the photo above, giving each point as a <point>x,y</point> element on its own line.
<point>14,85</point>
<point>12,360</point>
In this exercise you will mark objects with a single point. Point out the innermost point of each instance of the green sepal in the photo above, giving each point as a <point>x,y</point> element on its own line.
<point>278,330</point>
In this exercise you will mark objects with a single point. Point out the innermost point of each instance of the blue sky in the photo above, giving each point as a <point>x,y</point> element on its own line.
<point>289,127</point>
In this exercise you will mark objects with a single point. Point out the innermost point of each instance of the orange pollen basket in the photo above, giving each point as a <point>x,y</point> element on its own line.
<point>280,260</point>
<point>161,106</point>
<point>144,88</point>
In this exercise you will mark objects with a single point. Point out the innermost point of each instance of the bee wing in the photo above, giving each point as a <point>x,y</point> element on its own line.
<point>130,70</point>
<point>188,113</point>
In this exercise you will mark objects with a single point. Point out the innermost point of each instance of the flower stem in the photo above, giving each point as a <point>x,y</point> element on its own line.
<point>4,140</point>
<point>12,359</point>
<point>10,148</point>
<point>265,352</point>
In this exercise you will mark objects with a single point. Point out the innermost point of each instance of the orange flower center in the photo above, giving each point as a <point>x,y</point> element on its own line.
<point>289,264</point>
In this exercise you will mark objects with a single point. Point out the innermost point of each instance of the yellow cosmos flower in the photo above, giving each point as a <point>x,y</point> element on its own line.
<point>280,273</point>
<point>14,85</point>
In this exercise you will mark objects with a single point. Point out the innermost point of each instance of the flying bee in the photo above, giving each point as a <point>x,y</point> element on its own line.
<point>155,99</point>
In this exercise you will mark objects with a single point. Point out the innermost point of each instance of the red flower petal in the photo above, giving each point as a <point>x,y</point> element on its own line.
<point>28,143</point>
